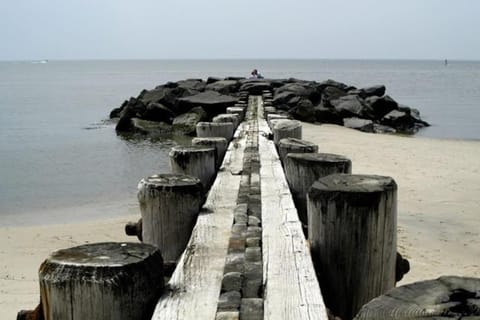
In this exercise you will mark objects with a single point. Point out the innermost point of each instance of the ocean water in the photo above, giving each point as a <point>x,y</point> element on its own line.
<point>58,151</point>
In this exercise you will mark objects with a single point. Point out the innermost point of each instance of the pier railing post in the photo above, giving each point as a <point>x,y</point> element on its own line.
<point>352,228</point>
<point>169,205</point>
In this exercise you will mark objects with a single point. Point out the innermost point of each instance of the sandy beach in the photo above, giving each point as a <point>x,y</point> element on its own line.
<point>438,222</point>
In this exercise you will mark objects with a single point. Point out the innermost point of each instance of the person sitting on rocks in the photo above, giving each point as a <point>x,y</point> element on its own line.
<point>256,75</point>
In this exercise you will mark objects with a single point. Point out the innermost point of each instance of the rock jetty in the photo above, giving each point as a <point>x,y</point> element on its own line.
<point>177,107</point>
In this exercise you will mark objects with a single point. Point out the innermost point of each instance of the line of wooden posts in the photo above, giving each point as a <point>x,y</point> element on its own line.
<point>351,224</point>
<point>124,280</point>
<point>349,220</point>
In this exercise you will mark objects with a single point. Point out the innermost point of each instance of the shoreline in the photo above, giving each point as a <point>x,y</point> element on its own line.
<point>438,225</point>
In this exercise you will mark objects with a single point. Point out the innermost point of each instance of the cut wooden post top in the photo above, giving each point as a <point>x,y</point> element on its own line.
<point>279,124</point>
<point>170,181</point>
<point>323,158</point>
<point>213,124</point>
<point>207,141</point>
<point>348,183</point>
<point>298,143</point>
<point>104,254</point>
<point>190,149</point>
<point>225,118</point>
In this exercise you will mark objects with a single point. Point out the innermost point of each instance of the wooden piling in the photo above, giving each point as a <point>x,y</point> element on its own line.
<point>169,204</point>
<point>233,118</point>
<point>286,129</point>
<point>275,116</point>
<point>219,144</point>
<point>303,169</point>
<point>101,281</point>
<point>214,129</point>
<point>294,145</point>
<point>352,221</point>
<point>240,111</point>
<point>196,161</point>
<point>447,297</point>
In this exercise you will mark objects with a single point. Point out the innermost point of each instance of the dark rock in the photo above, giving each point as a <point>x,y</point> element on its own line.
<point>133,109</point>
<point>192,84</point>
<point>327,115</point>
<point>403,121</point>
<point>358,124</point>
<point>381,105</point>
<point>332,93</point>
<point>158,112</point>
<point>299,89</point>
<point>116,112</point>
<point>351,106</point>
<point>186,123</point>
<point>212,80</point>
<point>152,128</point>
<point>255,86</point>
<point>377,91</point>
<point>213,102</point>
<point>235,78</point>
<point>224,86</point>
<point>332,83</point>
<point>283,98</point>
<point>303,111</point>
<point>251,309</point>
<point>379,128</point>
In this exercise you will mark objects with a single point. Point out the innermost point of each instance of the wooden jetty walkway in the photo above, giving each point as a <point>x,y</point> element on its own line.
<point>248,225</point>
<point>238,251</point>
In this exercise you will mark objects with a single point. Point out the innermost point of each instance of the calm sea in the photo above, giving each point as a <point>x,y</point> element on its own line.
<point>58,152</point>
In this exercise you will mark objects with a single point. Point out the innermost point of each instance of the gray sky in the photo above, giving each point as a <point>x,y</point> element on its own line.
<point>156,29</point>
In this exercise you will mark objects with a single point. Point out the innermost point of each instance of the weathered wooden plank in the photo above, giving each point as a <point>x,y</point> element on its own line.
<point>291,286</point>
<point>195,285</point>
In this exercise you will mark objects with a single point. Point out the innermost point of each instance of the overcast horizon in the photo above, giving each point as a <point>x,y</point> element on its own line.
<point>211,30</point>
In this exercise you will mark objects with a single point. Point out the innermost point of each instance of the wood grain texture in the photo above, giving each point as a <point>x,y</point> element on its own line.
<point>286,129</point>
<point>196,161</point>
<point>169,204</point>
<point>195,285</point>
<point>214,129</point>
<point>291,286</point>
<point>443,298</point>
<point>352,231</point>
<point>117,281</point>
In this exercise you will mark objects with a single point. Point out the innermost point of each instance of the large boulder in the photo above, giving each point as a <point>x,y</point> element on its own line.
<point>192,84</point>
<point>403,121</point>
<point>351,106</point>
<point>158,112</point>
<point>186,123</point>
<point>283,98</point>
<point>332,83</point>
<point>302,89</point>
<point>364,125</point>
<point>373,91</point>
<point>133,109</point>
<point>325,114</point>
<point>381,105</point>
<point>212,101</point>
<point>330,93</point>
<point>255,86</point>
<point>164,95</point>
<point>151,128</point>
<point>303,111</point>
<point>223,86</point>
